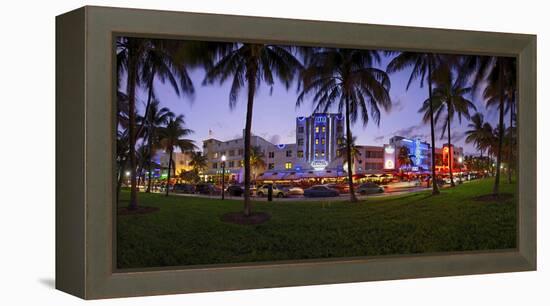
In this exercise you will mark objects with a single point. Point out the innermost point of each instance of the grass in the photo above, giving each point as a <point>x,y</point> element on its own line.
<point>188,231</point>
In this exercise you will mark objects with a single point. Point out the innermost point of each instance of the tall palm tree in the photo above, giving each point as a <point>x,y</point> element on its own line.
<point>157,116</point>
<point>129,52</point>
<point>249,65</point>
<point>492,71</point>
<point>491,94</point>
<point>424,67</point>
<point>347,79</point>
<point>161,61</point>
<point>171,138</point>
<point>256,160</point>
<point>449,95</point>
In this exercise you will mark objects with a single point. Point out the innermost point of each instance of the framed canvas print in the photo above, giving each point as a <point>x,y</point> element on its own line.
<point>200,152</point>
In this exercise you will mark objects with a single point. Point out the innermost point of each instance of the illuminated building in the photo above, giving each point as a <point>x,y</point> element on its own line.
<point>318,154</point>
<point>419,155</point>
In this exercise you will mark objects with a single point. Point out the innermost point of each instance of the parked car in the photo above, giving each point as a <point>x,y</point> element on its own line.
<point>278,191</point>
<point>342,188</point>
<point>183,188</point>
<point>295,190</point>
<point>321,191</point>
<point>207,188</point>
<point>369,188</point>
<point>235,190</point>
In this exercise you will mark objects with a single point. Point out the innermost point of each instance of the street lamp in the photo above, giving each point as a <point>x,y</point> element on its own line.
<point>223,176</point>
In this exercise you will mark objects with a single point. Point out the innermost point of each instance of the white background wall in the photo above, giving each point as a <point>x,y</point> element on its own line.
<point>27,135</point>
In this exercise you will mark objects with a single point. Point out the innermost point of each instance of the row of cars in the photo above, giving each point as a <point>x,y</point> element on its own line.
<point>279,191</point>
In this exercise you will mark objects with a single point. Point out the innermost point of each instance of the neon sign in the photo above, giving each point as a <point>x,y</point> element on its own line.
<point>319,164</point>
<point>389,149</point>
<point>389,164</point>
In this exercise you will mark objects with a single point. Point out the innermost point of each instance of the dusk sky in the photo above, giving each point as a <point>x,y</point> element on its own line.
<point>275,113</point>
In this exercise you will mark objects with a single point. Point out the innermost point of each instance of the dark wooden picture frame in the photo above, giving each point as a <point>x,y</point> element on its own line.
<point>85,152</point>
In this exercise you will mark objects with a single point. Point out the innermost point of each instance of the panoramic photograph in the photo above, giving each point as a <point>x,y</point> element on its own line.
<point>237,152</point>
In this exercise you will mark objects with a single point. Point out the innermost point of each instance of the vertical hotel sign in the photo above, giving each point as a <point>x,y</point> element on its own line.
<point>389,157</point>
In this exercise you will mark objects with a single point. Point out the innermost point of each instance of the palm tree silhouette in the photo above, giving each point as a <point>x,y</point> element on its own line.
<point>157,117</point>
<point>479,133</point>
<point>494,72</point>
<point>448,95</point>
<point>249,65</point>
<point>171,138</point>
<point>348,79</point>
<point>424,67</point>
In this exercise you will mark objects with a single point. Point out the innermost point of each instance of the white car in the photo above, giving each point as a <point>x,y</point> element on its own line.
<point>295,191</point>
<point>278,191</point>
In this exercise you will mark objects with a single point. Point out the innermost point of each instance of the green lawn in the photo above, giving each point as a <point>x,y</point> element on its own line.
<point>188,231</point>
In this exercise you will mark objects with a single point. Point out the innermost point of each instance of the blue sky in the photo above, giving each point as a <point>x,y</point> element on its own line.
<point>274,113</point>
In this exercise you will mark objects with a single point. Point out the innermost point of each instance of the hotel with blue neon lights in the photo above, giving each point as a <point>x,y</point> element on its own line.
<point>317,154</point>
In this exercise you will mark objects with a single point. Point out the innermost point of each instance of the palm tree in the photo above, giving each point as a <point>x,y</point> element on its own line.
<point>491,94</point>
<point>162,61</point>
<point>198,161</point>
<point>495,72</point>
<point>448,95</point>
<point>129,51</point>
<point>171,138</point>
<point>250,64</point>
<point>157,117</point>
<point>256,160</point>
<point>479,133</point>
<point>424,67</point>
<point>348,79</point>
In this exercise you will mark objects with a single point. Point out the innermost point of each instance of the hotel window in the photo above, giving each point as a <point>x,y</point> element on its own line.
<point>338,153</point>
<point>322,141</point>
<point>182,162</point>
<point>241,163</point>
<point>232,153</point>
<point>339,129</point>
<point>289,153</point>
<point>316,153</point>
<point>271,166</point>
<point>271,155</point>
<point>300,153</point>
<point>241,151</point>
<point>231,164</point>
<point>324,129</point>
<point>214,165</point>
<point>339,141</point>
<point>316,140</point>
<point>300,129</point>
<point>360,161</point>
<point>216,155</point>
<point>288,165</point>
<point>300,141</point>
<point>322,153</point>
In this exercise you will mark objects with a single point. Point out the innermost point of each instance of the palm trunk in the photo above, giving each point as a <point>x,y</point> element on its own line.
<point>120,178</point>
<point>150,166</point>
<point>131,87</point>
<point>251,77</point>
<point>169,170</point>
<point>435,189</point>
<point>511,139</point>
<point>500,126</point>
<point>450,159</point>
<point>352,196</point>
<point>149,100</point>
